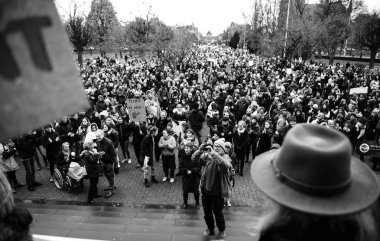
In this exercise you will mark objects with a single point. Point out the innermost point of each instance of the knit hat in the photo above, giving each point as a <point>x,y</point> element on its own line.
<point>6,197</point>
<point>220,142</point>
<point>228,144</point>
<point>339,116</point>
<point>315,106</point>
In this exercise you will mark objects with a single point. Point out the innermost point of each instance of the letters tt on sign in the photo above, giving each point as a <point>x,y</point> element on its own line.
<point>39,80</point>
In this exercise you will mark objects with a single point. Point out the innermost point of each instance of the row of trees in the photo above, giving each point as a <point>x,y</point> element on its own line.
<point>101,29</point>
<point>312,28</point>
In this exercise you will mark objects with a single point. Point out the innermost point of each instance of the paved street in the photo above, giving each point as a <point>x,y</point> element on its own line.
<point>131,190</point>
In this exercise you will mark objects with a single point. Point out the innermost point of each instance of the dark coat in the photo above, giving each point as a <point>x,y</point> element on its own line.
<point>241,143</point>
<point>124,130</point>
<point>113,136</point>
<point>52,147</point>
<point>196,120</point>
<point>63,129</point>
<point>108,148</point>
<point>147,149</point>
<point>190,183</point>
<point>26,146</point>
<point>91,163</point>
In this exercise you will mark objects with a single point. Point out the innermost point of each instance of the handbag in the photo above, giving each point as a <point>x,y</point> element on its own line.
<point>9,164</point>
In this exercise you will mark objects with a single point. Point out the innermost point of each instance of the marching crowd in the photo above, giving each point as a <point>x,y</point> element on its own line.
<point>248,103</point>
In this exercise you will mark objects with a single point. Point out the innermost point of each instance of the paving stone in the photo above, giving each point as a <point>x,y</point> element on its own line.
<point>50,232</point>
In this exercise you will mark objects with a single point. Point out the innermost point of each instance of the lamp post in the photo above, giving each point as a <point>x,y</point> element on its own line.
<point>286,30</point>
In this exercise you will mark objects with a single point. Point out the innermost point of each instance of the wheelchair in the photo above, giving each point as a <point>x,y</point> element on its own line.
<point>64,182</point>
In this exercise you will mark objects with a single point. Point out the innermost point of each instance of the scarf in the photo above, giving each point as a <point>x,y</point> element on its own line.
<point>240,131</point>
<point>66,154</point>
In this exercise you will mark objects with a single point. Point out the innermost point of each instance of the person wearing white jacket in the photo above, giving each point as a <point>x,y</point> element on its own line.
<point>167,144</point>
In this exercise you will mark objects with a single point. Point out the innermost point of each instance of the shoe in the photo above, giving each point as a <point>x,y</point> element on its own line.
<point>36,184</point>
<point>109,194</point>
<point>123,161</point>
<point>109,188</point>
<point>98,196</point>
<point>164,179</point>
<point>129,161</point>
<point>138,166</point>
<point>91,201</point>
<point>229,204</point>
<point>32,189</point>
<point>185,206</point>
<point>154,180</point>
<point>171,180</point>
<point>19,185</point>
<point>178,174</point>
<point>51,180</point>
<point>209,232</point>
<point>222,234</point>
<point>47,168</point>
<point>39,168</point>
<point>147,183</point>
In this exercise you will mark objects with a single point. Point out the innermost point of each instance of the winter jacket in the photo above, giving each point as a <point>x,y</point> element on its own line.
<point>190,182</point>
<point>167,146</point>
<point>50,143</point>
<point>196,120</point>
<point>108,148</point>
<point>113,136</point>
<point>213,165</point>
<point>26,146</point>
<point>90,159</point>
<point>147,149</point>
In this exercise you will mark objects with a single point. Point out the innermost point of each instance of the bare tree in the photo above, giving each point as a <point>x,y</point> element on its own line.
<point>77,30</point>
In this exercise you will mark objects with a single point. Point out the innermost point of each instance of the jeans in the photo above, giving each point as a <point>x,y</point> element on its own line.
<point>137,149</point>
<point>30,173</point>
<point>186,196</point>
<point>108,169</point>
<point>213,205</point>
<point>93,190</point>
<point>124,148</point>
<point>168,163</point>
<point>51,160</point>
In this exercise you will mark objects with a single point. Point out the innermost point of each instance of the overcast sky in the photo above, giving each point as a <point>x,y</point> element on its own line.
<point>213,15</point>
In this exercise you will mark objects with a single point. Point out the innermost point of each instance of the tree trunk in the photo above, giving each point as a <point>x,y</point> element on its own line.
<point>372,59</point>
<point>331,57</point>
<point>80,58</point>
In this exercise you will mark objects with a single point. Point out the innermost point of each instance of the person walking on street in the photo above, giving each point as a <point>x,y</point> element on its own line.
<point>107,150</point>
<point>190,170</point>
<point>196,119</point>
<point>90,157</point>
<point>51,143</point>
<point>148,156</point>
<point>26,146</point>
<point>214,184</point>
<point>167,144</point>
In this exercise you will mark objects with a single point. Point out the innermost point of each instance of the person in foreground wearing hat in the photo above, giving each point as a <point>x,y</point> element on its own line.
<point>105,146</point>
<point>316,189</point>
<point>148,157</point>
<point>214,183</point>
<point>15,220</point>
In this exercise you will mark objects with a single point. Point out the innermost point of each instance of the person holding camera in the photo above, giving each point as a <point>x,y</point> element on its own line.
<point>8,164</point>
<point>214,183</point>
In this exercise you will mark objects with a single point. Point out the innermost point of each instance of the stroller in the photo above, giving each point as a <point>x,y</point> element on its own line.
<point>70,173</point>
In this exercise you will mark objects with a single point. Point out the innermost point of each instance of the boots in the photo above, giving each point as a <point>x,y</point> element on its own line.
<point>147,183</point>
<point>154,180</point>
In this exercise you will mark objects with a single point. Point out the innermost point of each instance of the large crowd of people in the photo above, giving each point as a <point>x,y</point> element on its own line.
<point>248,104</point>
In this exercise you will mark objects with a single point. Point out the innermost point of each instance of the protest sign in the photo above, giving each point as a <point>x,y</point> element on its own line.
<point>136,109</point>
<point>359,90</point>
<point>368,148</point>
<point>39,81</point>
